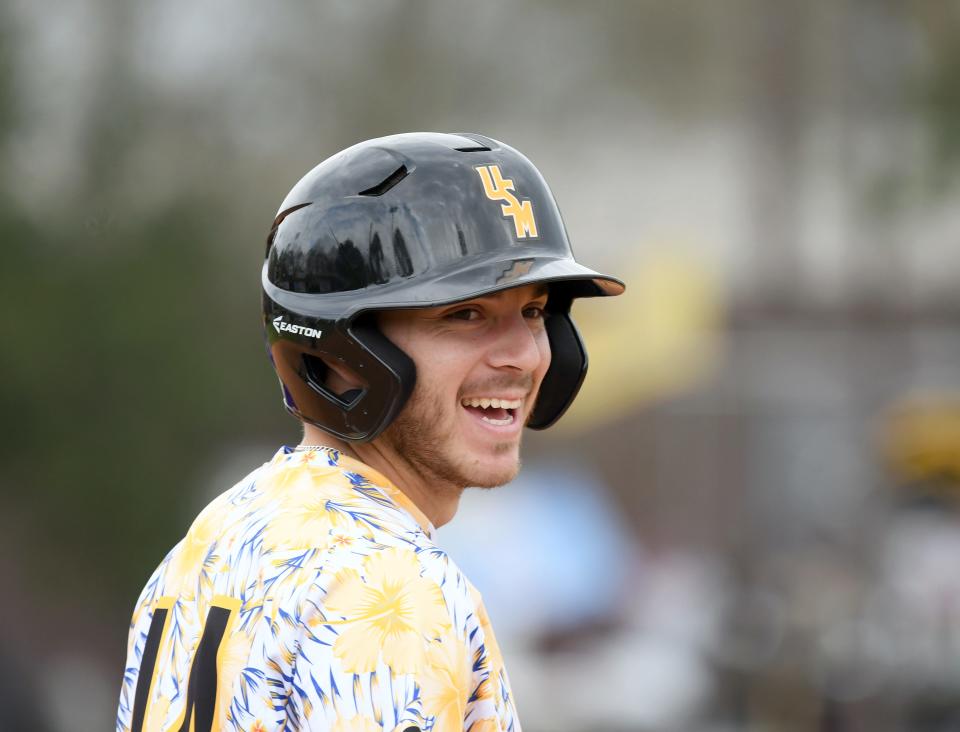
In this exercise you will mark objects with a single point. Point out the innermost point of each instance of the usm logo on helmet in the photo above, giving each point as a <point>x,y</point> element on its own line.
<point>498,188</point>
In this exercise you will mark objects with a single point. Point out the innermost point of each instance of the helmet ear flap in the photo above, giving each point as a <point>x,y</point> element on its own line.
<point>357,415</point>
<point>568,367</point>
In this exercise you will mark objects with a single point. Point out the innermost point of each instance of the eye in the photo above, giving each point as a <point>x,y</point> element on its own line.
<point>464,314</point>
<point>534,312</point>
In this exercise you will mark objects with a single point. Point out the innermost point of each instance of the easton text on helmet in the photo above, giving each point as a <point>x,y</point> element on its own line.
<point>303,330</point>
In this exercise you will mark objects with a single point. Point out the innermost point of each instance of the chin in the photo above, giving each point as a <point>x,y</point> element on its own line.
<point>493,473</point>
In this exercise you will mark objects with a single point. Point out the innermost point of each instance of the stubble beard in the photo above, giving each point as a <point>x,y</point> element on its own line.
<point>421,435</point>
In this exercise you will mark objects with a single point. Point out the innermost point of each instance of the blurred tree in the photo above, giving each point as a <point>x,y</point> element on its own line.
<point>939,92</point>
<point>130,352</point>
<point>125,375</point>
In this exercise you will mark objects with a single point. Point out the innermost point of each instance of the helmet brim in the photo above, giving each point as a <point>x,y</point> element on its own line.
<point>478,278</point>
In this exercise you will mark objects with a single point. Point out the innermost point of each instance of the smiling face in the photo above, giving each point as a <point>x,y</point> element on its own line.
<point>480,364</point>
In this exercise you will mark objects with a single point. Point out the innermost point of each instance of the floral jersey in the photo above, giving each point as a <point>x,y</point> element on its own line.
<point>310,596</point>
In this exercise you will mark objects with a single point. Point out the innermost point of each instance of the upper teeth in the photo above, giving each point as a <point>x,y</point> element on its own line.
<point>493,402</point>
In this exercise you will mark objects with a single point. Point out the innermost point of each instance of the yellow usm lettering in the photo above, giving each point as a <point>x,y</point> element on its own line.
<point>498,188</point>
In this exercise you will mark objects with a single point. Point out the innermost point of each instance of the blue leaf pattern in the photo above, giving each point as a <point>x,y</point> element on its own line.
<point>305,544</point>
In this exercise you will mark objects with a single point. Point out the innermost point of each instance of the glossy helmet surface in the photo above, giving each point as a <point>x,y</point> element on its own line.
<point>406,221</point>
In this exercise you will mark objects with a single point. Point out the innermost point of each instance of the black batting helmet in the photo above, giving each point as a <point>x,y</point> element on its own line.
<point>407,221</point>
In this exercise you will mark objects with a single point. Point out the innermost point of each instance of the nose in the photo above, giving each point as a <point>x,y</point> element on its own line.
<point>519,344</point>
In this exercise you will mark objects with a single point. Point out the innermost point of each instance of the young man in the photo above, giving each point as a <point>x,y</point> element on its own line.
<point>416,296</point>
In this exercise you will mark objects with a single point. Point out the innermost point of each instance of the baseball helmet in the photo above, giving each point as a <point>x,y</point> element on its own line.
<point>411,221</point>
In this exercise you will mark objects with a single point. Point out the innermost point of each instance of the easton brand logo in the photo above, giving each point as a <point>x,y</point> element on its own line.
<point>498,189</point>
<point>295,329</point>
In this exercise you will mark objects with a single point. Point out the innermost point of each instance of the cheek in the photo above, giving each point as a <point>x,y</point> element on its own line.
<point>441,378</point>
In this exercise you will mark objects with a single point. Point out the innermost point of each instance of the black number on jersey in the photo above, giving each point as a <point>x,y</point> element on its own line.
<point>201,702</point>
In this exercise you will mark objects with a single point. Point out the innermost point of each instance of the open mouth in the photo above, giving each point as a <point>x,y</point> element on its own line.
<point>492,410</point>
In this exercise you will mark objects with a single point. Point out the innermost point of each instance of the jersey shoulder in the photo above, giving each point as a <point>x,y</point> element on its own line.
<point>320,580</point>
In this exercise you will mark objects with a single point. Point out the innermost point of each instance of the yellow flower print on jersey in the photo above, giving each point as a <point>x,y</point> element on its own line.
<point>194,551</point>
<point>493,649</point>
<point>485,725</point>
<point>447,682</point>
<point>348,617</point>
<point>360,723</point>
<point>156,720</point>
<point>233,657</point>
<point>342,539</point>
<point>302,471</point>
<point>350,538</point>
<point>303,526</point>
<point>306,516</point>
<point>388,613</point>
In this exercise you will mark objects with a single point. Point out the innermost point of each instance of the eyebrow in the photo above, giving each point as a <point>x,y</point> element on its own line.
<point>541,290</point>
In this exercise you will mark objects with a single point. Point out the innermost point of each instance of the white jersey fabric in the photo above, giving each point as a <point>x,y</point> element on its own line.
<point>311,596</point>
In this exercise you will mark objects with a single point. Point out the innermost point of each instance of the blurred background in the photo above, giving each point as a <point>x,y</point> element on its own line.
<point>754,507</point>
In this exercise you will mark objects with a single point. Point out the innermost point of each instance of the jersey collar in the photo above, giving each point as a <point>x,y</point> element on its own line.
<point>376,478</point>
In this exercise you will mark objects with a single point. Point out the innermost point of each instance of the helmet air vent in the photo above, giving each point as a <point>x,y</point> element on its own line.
<point>387,183</point>
<point>279,220</point>
<point>476,148</point>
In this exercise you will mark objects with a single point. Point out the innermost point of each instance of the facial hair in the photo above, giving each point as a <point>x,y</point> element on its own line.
<point>421,435</point>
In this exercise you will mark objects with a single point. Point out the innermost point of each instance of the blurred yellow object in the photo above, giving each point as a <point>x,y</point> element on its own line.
<point>920,437</point>
<point>657,339</point>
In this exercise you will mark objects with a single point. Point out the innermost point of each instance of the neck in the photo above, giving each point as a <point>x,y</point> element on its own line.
<point>437,499</point>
